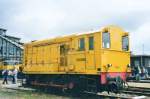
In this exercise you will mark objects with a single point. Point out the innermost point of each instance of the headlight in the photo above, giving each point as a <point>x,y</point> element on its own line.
<point>128,65</point>
<point>109,65</point>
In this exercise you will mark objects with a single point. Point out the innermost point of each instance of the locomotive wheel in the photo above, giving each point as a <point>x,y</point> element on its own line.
<point>74,89</point>
<point>71,85</point>
<point>114,88</point>
<point>69,88</point>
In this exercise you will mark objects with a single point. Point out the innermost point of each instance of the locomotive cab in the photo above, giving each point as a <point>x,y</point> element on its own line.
<point>115,58</point>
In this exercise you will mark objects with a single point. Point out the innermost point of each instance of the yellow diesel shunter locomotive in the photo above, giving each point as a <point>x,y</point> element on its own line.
<point>92,61</point>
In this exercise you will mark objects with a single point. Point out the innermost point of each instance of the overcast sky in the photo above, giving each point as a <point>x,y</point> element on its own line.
<point>40,19</point>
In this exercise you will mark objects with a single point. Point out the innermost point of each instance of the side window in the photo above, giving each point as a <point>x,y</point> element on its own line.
<point>91,43</point>
<point>4,47</point>
<point>81,44</point>
<point>106,40</point>
<point>125,43</point>
<point>136,63</point>
<point>147,62</point>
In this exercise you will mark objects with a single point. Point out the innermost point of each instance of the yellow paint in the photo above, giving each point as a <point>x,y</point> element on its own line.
<point>44,57</point>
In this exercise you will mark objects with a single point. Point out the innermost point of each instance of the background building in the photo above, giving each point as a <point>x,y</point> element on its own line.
<point>141,63</point>
<point>11,50</point>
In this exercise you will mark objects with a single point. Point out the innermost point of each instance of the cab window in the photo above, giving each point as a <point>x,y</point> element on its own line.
<point>125,43</point>
<point>81,44</point>
<point>106,39</point>
<point>91,43</point>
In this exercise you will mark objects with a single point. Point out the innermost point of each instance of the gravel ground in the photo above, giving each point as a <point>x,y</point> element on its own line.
<point>15,94</point>
<point>6,93</point>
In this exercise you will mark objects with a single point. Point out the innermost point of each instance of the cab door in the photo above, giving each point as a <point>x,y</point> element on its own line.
<point>63,57</point>
<point>90,54</point>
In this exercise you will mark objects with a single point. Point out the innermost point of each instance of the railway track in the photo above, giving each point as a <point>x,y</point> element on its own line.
<point>137,91</point>
<point>129,93</point>
<point>108,96</point>
<point>141,81</point>
<point>105,95</point>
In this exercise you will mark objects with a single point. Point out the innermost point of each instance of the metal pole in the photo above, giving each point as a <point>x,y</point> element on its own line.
<point>143,49</point>
<point>141,55</point>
